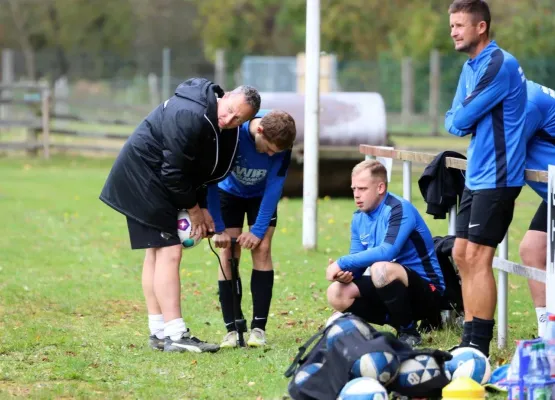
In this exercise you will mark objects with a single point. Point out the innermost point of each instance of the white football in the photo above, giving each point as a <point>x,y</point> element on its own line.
<point>184,230</point>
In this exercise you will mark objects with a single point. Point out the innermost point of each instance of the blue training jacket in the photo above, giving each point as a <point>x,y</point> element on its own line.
<point>540,132</point>
<point>393,232</point>
<point>490,104</point>
<point>254,174</point>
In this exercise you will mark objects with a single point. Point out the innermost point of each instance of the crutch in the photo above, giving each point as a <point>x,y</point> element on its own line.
<point>240,322</point>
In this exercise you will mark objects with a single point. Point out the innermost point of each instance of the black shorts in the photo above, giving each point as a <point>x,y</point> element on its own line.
<point>234,209</point>
<point>485,215</point>
<point>425,298</point>
<point>145,237</point>
<point>539,222</point>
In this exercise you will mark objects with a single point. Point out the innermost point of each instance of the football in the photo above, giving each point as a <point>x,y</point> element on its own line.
<point>184,230</point>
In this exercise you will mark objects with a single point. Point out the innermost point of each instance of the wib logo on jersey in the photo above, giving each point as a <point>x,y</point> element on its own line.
<point>249,176</point>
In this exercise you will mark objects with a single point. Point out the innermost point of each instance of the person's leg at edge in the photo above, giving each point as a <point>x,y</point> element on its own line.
<point>262,283</point>
<point>532,251</point>
<point>155,317</point>
<point>459,255</point>
<point>225,290</point>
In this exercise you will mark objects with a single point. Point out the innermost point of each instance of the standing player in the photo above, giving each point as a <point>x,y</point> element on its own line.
<point>540,152</point>
<point>389,236</point>
<point>490,104</point>
<point>183,144</point>
<point>253,188</point>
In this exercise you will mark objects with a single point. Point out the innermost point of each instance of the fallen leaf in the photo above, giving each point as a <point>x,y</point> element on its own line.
<point>251,383</point>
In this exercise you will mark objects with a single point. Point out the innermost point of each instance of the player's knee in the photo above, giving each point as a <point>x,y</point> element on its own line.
<point>263,250</point>
<point>336,295</point>
<point>532,248</point>
<point>383,273</point>
<point>169,255</point>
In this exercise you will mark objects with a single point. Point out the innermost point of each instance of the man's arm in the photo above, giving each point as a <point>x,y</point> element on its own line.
<point>180,149</point>
<point>492,89</point>
<point>400,225</point>
<point>272,193</point>
<point>457,100</point>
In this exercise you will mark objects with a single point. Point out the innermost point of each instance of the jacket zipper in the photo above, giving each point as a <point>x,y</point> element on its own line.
<point>217,154</point>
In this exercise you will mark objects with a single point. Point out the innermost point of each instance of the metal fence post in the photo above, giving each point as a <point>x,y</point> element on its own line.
<point>407,180</point>
<point>502,290</point>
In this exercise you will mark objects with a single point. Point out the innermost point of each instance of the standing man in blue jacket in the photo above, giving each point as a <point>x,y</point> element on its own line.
<point>253,188</point>
<point>389,236</point>
<point>540,152</point>
<point>490,104</point>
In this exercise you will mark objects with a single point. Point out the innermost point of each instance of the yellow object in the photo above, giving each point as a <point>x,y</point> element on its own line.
<point>463,388</point>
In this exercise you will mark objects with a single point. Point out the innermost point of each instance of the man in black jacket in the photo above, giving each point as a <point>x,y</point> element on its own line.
<point>184,144</point>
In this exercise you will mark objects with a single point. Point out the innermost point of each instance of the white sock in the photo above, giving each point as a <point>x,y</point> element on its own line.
<point>156,325</point>
<point>541,314</point>
<point>175,328</point>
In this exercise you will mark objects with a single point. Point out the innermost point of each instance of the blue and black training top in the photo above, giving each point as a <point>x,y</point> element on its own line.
<point>490,104</point>
<point>393,232</point>
<point>540,132</point>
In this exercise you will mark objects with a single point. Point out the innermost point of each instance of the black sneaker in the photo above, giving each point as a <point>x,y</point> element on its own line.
<point>187,342</point>
<point>413,339</point>
<point>155,343</point>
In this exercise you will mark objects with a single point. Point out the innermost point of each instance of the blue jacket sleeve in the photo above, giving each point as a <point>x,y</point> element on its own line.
<point>272,194</point>
<point>400,225</point>
<point>457,100</point>
<point>214,208</point>
<point>492,88</point>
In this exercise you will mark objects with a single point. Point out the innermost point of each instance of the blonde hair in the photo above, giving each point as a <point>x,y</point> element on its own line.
<point>374,167</point>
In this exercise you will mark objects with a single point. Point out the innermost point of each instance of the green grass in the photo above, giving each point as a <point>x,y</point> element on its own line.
<point>72,316</point>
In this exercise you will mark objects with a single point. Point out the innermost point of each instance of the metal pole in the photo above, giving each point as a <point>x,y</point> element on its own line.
<point>452,230</point>
<point>407,177</point>
<point>502,289</point>
<point>311,116</point>
<point>166,73</point>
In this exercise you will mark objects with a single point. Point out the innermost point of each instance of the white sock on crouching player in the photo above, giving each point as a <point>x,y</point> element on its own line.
<point>156,325</point>
<point>175,328</point>
<point>541,315</point>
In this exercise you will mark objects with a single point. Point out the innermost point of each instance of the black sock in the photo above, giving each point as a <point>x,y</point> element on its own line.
<point>397,301</point>
<point>482,334</point>
<point>226,302</point>
<point>262,284</point>
<point>467,334</point>
<point>362,309</point>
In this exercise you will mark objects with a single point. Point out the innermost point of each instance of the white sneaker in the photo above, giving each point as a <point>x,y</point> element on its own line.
<point>230,340</point>
<point>257,338</point>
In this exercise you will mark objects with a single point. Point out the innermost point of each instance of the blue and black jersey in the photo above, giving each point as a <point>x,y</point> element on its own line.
<point>540,132</point>
<point>490,104</point>
<point>254,174</point>
<point>393,232</point>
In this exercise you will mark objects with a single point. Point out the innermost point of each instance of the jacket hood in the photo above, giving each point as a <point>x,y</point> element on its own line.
<point>203,92</point>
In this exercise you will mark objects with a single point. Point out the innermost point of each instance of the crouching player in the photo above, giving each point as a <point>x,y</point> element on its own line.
<point>540,152</point>
<point>389,236</point>
<point>253,189</point>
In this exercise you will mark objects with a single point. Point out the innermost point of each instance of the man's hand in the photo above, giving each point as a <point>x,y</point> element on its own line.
<point>247,240</point>
<point>198,224</point>
<point>335,273</point>
<point>344,277</point>
<point>210,225</point>
<point>222,240</point>
<point>333,269</point>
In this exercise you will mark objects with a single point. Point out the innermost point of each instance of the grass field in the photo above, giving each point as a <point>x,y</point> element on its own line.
<point>72,317</point>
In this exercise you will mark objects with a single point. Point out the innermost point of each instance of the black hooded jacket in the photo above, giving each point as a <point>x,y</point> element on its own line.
<point>171,156</point>
<point>440,185</point>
